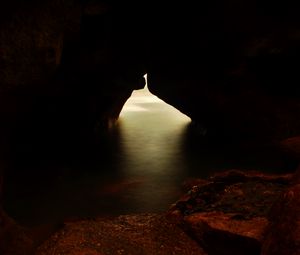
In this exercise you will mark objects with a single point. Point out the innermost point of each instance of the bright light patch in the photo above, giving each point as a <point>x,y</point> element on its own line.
<point>152,137</point>
<point>139,97</point>
<point>143,100</point>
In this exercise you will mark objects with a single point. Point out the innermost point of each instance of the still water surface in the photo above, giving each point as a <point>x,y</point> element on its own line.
<point>150,152</point>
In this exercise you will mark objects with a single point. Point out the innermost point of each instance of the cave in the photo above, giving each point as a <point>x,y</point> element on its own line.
<point>209,165</point>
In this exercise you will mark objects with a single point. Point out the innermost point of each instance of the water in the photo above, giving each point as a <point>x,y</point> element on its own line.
<point>148,155</point>
<point>151,139</point>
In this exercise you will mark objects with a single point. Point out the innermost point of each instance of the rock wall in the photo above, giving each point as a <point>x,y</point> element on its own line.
<point>68,66</point>
<point>66,69</point>
<point>230,65</point>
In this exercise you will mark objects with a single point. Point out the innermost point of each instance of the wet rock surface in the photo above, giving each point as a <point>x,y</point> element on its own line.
<point>132,234</point>
<point>283,235</point>
<point>247,194</point>
<point>228,214</point>
<point>223,233</point>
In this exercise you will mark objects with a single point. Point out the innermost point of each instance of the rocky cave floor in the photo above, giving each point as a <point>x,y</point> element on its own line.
<point>233,212</point>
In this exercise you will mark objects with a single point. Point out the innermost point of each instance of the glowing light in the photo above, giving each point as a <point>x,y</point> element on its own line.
<point>143,100</point>
<point>152,137</point>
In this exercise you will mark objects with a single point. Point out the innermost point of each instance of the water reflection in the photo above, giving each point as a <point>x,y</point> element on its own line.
<point>151,137</point>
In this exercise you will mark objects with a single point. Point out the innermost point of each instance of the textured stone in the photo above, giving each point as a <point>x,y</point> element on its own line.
<point>228,214</point>
<point>130,234</point>
<point>223,233</point>
<point>283,236</point>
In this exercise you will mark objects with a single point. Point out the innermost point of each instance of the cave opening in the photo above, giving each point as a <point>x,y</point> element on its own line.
<point>142,100</point>
<point>152,153</point>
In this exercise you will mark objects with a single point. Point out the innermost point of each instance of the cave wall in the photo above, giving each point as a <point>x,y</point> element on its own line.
<point>68,66</point>
<point>66,69</point>
<point>230,65</point>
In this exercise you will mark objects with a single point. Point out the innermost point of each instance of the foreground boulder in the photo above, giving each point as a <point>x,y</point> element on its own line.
<point>231,213</point>
<point>232,234</point>
<point>147,234</point>
<point>283,236</point>
<point>228,214</point>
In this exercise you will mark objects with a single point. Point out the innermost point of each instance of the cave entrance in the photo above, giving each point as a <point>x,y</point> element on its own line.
<point>152,135</point>
<point>143,100</point>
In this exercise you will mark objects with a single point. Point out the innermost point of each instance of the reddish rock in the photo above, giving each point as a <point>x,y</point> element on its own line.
<point>228,214</point>
<point>291,146</point>
<point>283,236</point>
<point>222,233</point>
<point>147,234</point>
<point>248,193</point>
<point>234,175</point>
<point>192,182</point>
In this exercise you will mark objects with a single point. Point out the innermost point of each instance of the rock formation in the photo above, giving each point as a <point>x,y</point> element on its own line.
<point>68,66</point>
